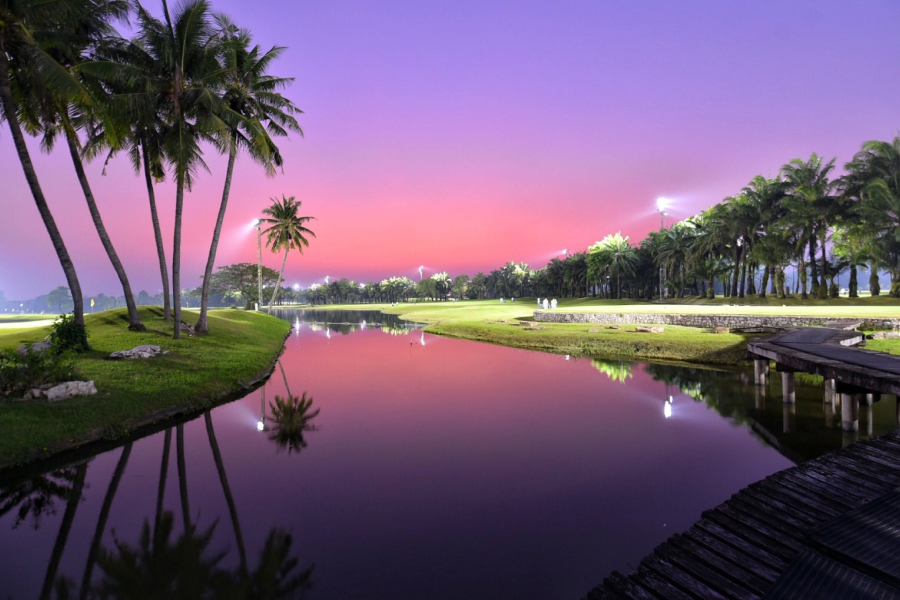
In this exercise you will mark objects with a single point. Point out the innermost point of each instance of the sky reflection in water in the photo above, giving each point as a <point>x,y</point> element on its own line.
<point>446,470</point>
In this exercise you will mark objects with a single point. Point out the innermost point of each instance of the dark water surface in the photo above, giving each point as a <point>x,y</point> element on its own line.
<point>424,467</point>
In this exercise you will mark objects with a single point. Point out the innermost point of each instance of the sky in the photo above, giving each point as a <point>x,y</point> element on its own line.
<point>462,135</point>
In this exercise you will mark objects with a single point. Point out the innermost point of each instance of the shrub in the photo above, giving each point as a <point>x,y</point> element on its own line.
<point>66,334</point>
<point>22,372</point>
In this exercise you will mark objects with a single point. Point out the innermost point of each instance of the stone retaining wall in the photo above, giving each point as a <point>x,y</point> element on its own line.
<point>705,321</point>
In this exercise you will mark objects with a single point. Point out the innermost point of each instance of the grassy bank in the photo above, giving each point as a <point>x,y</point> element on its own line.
<point>197,373</point>
<point>509,324</point>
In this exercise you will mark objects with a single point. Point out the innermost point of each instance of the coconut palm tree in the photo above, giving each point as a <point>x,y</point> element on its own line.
<point>186,73</point>
<point>254,95</point>
<point>286,230</point>
<point>616,256</point>
<point>27,28</point>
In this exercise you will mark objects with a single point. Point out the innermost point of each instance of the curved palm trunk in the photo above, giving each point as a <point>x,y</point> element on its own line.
<point>101,521</point>
<point>874,283</point>
<point>31,177</point>
<point>226,489</point>
<point>134,320</point>
<point>157,234</point>
<point>176,257</point>
<point>202,324</point>
<point>284,376</point>
<point>64,529</point>
<point>280,274</point>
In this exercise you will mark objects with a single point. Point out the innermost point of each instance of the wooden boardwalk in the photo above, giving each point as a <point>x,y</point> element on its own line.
<point>739,549</point>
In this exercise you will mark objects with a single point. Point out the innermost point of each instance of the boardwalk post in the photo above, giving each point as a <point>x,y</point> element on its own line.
<point>850,412</point>
<point>787,387</point>
<point>870,420</point>
<point>869,399</point>
<point>760,371</point>
<point>761,398</point>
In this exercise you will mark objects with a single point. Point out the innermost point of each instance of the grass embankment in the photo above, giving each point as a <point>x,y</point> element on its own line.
<point>197,373</point>
<point>509,324</point>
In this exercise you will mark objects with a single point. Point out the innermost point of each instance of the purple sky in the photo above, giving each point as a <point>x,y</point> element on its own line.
<point>463,135</point>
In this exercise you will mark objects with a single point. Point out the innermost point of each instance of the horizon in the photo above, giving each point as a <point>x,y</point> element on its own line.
<point>461,138</point>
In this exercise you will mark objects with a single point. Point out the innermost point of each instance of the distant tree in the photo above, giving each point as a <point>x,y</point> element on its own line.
<point>241,278</point>
<point>442,284</point>
<point>143,298</point>
<point>477,289</point>
<point>58,297</point>
<point>460,286</point>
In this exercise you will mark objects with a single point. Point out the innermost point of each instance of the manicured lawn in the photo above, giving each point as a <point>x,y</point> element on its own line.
<point>507,324</point>
<point>197,372</point>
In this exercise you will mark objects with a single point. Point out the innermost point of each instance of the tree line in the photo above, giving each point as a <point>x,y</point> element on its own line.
<point>189,81</point>
<point>805,217</point>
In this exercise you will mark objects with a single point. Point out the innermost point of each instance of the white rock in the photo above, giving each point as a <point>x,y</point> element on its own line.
<point>38,347</point>
<point>70,389</point>
<point>146,351</point>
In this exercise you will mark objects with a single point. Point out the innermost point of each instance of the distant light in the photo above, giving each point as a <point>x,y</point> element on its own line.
<point>255,222</point>
<point>260,426</point>
<point>567,357</point>
<point>296,287</point>
<point>661,204</point>
<point>422,341</point>
<point>670,399</point>
<point>667,410</point>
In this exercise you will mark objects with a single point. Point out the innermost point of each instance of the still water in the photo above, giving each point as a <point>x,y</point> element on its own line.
<point>416,466</point>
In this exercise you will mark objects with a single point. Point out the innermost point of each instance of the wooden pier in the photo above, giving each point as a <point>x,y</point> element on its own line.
<point>826,529</point>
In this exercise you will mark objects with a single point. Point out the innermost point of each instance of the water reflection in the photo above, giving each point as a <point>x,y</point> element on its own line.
<point>343,322</point>
<point>291,418</point>
<point>160,563</point>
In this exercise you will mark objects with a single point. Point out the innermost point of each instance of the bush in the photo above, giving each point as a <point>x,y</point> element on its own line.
<point>66,334</point>
<point>22,372</point>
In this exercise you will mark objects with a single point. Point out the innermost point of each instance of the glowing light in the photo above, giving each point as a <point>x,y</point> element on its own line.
<point>667,410</point>
<point>661,204</point>
<point>260,426</point>
<point>567,357</point>
<point>328,332</point>
<point>422,341</point>
<point>670,399</point>
<point>296,287</point>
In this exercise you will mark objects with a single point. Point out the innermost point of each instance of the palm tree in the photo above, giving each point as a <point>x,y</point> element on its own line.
<point>811,205</point>
<point>286,230</point>
<point>137,129</point>
<point>27,27</point>
<point>254,95</point>
<point>186,73</point>
<point>616,256</point>
<point>56,114</point>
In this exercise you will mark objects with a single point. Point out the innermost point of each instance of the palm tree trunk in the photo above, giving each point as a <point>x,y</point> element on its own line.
<point>823,289</point>
<point>854,282</point>
<point>736,274</point>
<point>176,257</point>
<point>202,324</point>
<point>59,246</point>
<point>101,521</point>
<point>874,283</point>
<point>764,283</point>
<point>801,269</point>
<point>157,233</point>
<point>134,320</point>
<point>280,274</point>
<point>68,518</point>
<point>813,266</point>
<point>223,478</point>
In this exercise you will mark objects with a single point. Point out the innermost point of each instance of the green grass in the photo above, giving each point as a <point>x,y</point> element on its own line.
<point>510,324</point>
<point>496,323</point>
<point>197,373</point>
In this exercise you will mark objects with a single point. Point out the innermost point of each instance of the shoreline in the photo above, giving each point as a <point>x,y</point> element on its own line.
<point>191,391</point>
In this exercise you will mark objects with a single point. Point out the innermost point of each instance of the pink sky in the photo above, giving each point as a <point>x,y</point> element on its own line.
<point>464,135</point>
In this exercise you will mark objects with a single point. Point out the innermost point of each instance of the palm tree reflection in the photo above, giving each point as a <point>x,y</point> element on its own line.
<point>291,418</point>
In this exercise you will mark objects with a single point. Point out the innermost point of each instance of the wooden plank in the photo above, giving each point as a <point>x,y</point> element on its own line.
<point>752,534</point>
<point>761,569</point>
<point>685,581</point>
<point>791,540</point>
<point>849,483</point>
<point>737,572</point>
<point>761,555</point>
<point>665,590</point>
<point>836,496</point>
<point>798,498</point>
<point>746,504</point>
<point>850,466</point>
<point>723,585</point>
<point>807,517</point>
<point>617,583</point>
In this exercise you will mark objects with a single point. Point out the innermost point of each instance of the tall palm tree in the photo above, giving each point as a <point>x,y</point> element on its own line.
<point>812,205</point>
<point>617,257</point>
<point>286,230</point>
<point>187,73</point>
<point>55,114</point>
<point>137,129</point>
<point>27,27</point>
<point>254,95</point>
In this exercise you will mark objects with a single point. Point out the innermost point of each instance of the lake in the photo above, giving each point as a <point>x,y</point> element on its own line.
<point>417,466</point>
